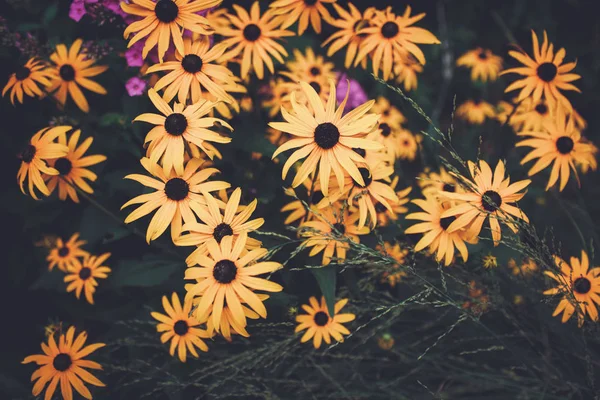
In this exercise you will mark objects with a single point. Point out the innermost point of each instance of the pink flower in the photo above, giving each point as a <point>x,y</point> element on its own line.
<point>357,94</point>
<point>133,55</point>
<point>135,86</point>
<point>77,10</point>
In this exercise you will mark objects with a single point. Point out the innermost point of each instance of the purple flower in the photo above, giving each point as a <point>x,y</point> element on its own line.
<point>77,10</point>
<point>135,86</point>
<point>357,95</point>
<point>133,55</point>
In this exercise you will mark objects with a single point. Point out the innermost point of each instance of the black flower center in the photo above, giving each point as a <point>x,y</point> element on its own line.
<point>22,73</point>
<point>327,135</point>
<point>85,273</point>
<point>385,129</point>
<point>177,189</point>
<point>166,11</point>
<point>367,177</point>
<point>380,208</point>
<point>390,29</point>
<point>564,145</point>
<point>28,154</point>
<point>445,222</point>
<point>321,318</point>
<point>191,63</point>
<point>316,86</point>
<point>62,362</point>
<point>63,165</point>
<point>482,55</point>
<point>542,109</point>
<point>317,197</point>
<point>221,231</point>
<point>582,285</point>
<point>181,327</point>
<point>252,32</point>
<point>340,227</point>
<point>315,71</point>
<point>176,124</point>
<point>360,152</point>
<point>448,187</point>
<point>67,72</point>
<point>224,271</point>
<point>63,251</point>
<point>491,201</point>
<point>310,2</point>
<point>547,71</point>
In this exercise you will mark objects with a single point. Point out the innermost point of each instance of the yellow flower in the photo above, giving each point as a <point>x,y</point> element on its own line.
<point>64,254</point>
<point>490,261</point>
<point>291,11</point>
<point>483,63</point>
<point>475,112</point>
<point>319,325</point>
<point>26,80</point>
<point>82,275</point>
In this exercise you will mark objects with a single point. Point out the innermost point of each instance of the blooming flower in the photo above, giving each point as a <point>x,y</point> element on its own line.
<point>357,93</point>
<point>135,86</point>
<point>77,10</point>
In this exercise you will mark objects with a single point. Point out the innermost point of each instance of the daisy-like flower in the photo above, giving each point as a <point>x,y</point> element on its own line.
<point>255,38</point>
<point>330,232</point>
<point>82,275</point>
<point>576,280</point>
<point>527,267</point>
<point>319,325</point>
<point>177,126</point>
<point>166,19</point>
<point>224,275</point>
<point>432,183</point>
<point>389,32</point>
<point>399,254</point>
<point>72,169</point>
<point>483,63</point>
<point>73,68</point>
<point>435,230</point>
<point>326,137</point>
<point>64,363</point>
<point>295,88</point>
<point>27,78</point>
<point>64,254</point>
<point>273,99</point>
<point>194,69</point>
<point>35,156</point>
<point>308,67</point>
<point>349,23</point>
<point>531,115</point>
<point>504,110</point>
<point>177,196</point>
<point>407,145</point>
<point>181,329</point>
<point>588,161</point>
<point>226,110</point>
<point>390,117</point>
<point>302,11</point>
<point>489,195</point>
<point>216,225</point>
<point>384,216</point>
<point>475,111</point>
<point>296,208</point>
<point>559,144</point>
<point>545,74</point>
<point>407,70</point>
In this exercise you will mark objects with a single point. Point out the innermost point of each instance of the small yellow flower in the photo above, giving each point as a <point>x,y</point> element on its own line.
<point>490,261</point>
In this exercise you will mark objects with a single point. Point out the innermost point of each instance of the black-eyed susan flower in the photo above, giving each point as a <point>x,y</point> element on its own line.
<point>226,110</point>
<point>163,20</point>
<point>308,67</point>
<point>254,37</point>
<point>72,68</point>
<point>389,31</point>
<point>432,183</point>
<point>64,364</point>
<point>475,111</point>
<point>434,227</point>
<point>384,216</point>
<point>180,328</point>
<point>81,276</point>
<point>72,171</point>
<point>531,115</point>
<point>302,11</point>
<point>407,69</point>
<point>580,286</point>
<point>315,199</point>
<point>407,145</point>
<point>559,144</point>
<point>589,160</point>
<point>484,64</point>
<point>545,74</point>
<point>177,126</point>
<point>326,137</point>
<point>319,325</point>
<point>330,232</point>
<point>195,69</point>
<point>41,148</point>
<point>177,196</point>
<point>390,117</point>
<point>349,23</point>
<point>294,87</point>
<point>226,274</point>
<point>527,267</point>
<point>490,194</point>
<point>273,98</point>
<point>394,275</point>
<point>216,224</point>
<point>65,253</point>
<point>489,261</point>
<point>27,79</point>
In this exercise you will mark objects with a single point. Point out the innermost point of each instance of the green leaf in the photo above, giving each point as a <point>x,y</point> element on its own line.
<point>112,118</point>
<point>28,26</point>
<point>50,14</point>
<point>144,273</point>
<point>326,278</point>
